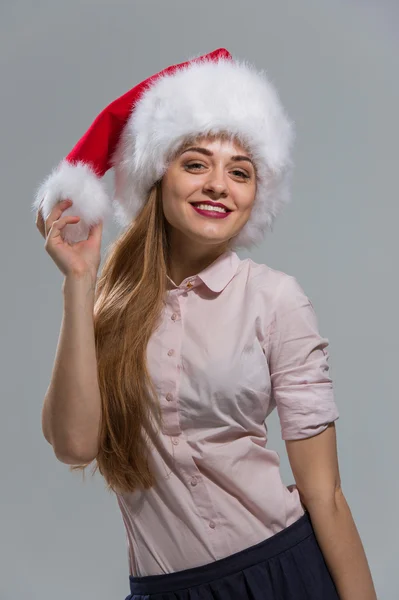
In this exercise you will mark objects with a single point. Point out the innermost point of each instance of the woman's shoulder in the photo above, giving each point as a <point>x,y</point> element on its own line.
<point>271,287</point>
<point>265,277</point>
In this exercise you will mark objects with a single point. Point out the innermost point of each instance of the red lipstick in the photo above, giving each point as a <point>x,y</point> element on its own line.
<point>213,214</point>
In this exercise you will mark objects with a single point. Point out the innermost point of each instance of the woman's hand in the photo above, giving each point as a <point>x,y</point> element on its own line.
<point>78,259</point>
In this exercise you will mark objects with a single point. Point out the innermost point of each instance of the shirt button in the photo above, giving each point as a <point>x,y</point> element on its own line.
<point>171,352</point>
<point>190,284</point>
<point>174,317</point>
<point>194,481</point>
<point>212,524</point>
<point>175,441</point>
<point>169,397</point>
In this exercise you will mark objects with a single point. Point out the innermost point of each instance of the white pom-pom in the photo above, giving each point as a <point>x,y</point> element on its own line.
<point>79,183</point>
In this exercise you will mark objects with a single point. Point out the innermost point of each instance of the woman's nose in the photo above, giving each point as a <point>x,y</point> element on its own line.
<point>216,185</point>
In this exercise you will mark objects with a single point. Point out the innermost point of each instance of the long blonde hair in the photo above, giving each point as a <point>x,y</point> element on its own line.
<point>128,302</point>
<point>129,299</point>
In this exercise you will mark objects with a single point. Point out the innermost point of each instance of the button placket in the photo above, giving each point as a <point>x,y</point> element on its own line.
<point>171,341</point>
<point>177,440</point>
<point>178,445</point>
<point>200,493</point>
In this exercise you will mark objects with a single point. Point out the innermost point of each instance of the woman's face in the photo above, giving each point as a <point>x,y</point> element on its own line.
<point>208,171</point>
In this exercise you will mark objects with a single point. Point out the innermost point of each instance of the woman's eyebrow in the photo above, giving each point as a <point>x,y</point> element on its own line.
<point>207,152</point>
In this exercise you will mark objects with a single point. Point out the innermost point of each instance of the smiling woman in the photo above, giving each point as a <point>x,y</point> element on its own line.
<point>182,349</point>
<point>208,173</point>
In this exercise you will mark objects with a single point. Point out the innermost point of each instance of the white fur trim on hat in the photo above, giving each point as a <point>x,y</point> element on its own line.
<point>207,97</point>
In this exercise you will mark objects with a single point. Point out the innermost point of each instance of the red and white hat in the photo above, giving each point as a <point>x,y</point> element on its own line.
<point>138,132</point>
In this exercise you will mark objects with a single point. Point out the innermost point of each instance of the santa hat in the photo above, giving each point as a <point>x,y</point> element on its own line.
<point>138,132</point>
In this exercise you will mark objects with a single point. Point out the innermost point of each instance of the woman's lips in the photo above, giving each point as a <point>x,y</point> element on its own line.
<point>210,213</point>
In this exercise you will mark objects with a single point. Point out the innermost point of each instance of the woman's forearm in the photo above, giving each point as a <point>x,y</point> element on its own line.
<point>342,548</point>
<point>72,406</point>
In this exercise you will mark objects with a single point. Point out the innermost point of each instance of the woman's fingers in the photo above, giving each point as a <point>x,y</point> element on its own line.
<point>40,220</point>
<point>51,228</point>
<point>58,225</point>
<point>96,230</point>
<point>56,213</point>
<point>45,225</point>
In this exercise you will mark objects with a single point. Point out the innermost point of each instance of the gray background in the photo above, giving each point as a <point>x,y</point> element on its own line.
<point>335,65</point>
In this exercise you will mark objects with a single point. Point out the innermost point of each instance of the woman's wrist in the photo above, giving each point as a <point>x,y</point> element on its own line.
<point>78,283</point>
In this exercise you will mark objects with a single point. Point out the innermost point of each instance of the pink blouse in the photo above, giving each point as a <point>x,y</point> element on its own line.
<point>235,341</point>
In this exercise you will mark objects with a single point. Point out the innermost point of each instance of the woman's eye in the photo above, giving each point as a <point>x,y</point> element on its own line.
<point>196,166</point>
<point>193,165</point>
<point>242,174</point>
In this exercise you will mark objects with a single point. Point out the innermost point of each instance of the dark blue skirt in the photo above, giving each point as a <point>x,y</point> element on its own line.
<point>286,566</point>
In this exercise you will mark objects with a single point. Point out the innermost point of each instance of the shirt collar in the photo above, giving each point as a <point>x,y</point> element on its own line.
<point>215,276</point>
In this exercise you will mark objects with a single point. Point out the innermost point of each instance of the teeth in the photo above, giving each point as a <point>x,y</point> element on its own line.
<point>210,207</point>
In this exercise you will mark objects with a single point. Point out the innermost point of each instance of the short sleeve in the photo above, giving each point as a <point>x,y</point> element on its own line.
<point>298,365</point>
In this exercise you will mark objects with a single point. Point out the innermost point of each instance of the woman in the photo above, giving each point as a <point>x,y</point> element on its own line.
<point>177,327</point>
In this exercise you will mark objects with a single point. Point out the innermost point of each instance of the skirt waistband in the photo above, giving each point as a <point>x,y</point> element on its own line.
<point>277,543</point>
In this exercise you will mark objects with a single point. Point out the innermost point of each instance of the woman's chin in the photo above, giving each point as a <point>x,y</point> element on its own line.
<point>203,233</point>
<point>215,235</point>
